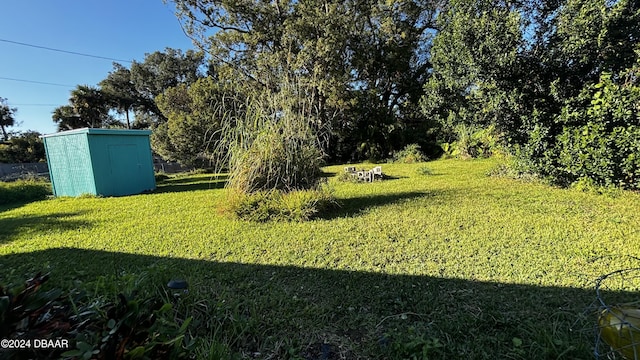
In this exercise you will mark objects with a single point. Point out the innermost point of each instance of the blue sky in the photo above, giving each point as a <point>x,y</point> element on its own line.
<point>120,29</point>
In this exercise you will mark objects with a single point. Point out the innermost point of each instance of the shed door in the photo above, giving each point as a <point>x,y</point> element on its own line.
<point>125,168</point>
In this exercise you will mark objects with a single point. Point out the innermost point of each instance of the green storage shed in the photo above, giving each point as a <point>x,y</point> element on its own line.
<point>107,162</point>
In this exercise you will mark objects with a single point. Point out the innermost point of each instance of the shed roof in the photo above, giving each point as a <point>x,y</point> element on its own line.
<point>93,131</point>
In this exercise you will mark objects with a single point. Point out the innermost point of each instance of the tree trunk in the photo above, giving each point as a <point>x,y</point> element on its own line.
<point>128,123</point>
<point>5,137</point>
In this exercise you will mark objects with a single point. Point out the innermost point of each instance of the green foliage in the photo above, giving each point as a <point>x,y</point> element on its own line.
<point>88,107</point>
<point>275,205</point>
<point>588,185</point>
<point>606,157</point>
<point>362,63</point>
<point>473,142</point>
<point>131,327</point>
<point>27,147</point>
<point>27,312</point>
<point>7,117</point>
<point>120,92</point>
<point>20,191</point>
<point>521,67</point>
<point>592,38</point>
<point>195,114</point>
<point>413,344</point>
<point>162,70</point>
<point>475,59</point>
<point>424,170</point>
<point>600,138</point>
<point>274,145</point>
<point>409,155</point>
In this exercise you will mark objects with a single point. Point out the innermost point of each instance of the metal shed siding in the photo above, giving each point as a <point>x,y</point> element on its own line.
<point>122,163</point>
<point>70,166</point>
<point>100,161</point>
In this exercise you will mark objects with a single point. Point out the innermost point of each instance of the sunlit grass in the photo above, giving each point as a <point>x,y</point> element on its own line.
<point>445,236</point>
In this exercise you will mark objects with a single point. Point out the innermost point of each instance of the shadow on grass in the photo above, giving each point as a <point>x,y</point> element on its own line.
<point>39,224</point>
<point>192,179</point>
<point>191,184</point>
<point>353,206</point>
<point>14,205</point>
<point>293,312</point>
<point>328,174</point>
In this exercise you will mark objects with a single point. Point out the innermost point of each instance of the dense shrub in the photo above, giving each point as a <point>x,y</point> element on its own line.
<point>474,142</point>
<point>607,157</point>
<point>24,191</point>
<point>409,155</point>
<point>24,148</point>
<point>599,138</point>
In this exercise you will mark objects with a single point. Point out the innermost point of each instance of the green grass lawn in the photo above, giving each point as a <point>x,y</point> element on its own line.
<point>454,264</point>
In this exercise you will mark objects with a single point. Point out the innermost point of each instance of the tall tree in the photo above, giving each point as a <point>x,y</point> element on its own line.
<point>91,104</point>
<point>476,65</point>
<point>194,118</point>
<point>516,63</point>
<point>67,118</point>
<point>592,37</point>
<point>6,117</point>
<point>88,107</point>
<point>160,71</point>
<point>347,54</point>
<point>391,43</point>
<point>120,91</point>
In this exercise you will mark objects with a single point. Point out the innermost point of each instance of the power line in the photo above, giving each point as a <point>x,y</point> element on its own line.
<point>64,51</point>
<point>36,82</point>
<point>34,104</point>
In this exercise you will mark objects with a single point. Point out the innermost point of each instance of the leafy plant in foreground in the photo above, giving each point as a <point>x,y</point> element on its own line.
<point>127,328</point>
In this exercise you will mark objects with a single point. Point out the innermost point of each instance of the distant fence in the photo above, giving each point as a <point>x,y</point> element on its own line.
<point>17,171</point>
<point>10,172</point>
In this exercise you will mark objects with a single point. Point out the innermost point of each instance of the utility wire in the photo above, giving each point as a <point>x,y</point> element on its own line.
<point>11,104</point>
<point>63,51</point>
<point>36,82</point>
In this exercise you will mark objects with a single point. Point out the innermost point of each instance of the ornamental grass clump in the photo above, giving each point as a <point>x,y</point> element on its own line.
<point>274,152</point>
<point>280,154</point>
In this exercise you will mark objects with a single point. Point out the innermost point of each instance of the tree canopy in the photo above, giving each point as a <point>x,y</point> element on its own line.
<point>7,118</point>
<point>377,75</point>
<point>26,147</point>
<point>363,62</point>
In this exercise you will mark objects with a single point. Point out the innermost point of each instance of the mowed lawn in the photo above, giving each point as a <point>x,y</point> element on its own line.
<point>454,264</point>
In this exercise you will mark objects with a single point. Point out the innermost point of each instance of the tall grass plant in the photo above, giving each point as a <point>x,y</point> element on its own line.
<point>274,146</point>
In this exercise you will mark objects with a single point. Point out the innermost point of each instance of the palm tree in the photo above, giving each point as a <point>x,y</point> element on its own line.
<point>67,118</point>
<point>90,103</point>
